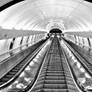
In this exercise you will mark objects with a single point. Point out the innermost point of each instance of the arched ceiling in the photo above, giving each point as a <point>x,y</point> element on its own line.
<point>70,15</point>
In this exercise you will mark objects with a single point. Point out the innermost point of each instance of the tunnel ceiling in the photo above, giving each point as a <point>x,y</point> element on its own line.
<point>68,15</point>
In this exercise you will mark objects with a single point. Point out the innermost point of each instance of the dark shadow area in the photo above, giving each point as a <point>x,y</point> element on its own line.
<point>89,1</point>
<point>12,43</point>
<point>56,30</point>
<point>10,4</point>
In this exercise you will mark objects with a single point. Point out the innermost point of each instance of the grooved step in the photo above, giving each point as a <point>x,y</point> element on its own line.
<point>55,75</point>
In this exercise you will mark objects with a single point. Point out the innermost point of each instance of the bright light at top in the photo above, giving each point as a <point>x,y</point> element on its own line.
<point>69,15</point>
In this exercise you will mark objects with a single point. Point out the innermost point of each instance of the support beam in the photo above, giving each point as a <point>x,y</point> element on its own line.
<point>75,38</point>
<point>83,42</point>
<point>27,40</point>
<point>79,40</point>
<point>32,40</point>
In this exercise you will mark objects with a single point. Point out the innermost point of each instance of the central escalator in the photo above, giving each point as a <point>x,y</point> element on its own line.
<point>54,75</point>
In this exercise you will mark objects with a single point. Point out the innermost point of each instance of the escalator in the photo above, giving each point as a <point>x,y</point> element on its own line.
<point>10,76</point>
<point>54,75</point>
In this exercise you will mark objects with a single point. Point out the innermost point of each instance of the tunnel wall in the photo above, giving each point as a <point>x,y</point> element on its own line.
<point>17,44</point>
<point>84,42</point>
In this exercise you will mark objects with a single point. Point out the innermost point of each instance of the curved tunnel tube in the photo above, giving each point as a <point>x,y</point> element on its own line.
<point>20,29</point>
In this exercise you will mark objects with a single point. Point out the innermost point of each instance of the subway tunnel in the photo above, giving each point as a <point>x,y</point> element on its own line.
<point>45,46</point>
